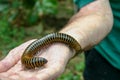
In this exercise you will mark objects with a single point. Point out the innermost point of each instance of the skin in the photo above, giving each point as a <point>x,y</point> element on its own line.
<point>11,67</point>
<point>89,26</point>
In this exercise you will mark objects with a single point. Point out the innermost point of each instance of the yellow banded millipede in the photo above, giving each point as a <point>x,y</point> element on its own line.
<point>29,60</point>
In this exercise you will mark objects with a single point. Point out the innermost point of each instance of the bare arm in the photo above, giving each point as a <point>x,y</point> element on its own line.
<point>91,24</point>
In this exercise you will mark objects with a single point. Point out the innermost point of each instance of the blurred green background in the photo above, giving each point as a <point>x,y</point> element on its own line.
<point>22,20</point>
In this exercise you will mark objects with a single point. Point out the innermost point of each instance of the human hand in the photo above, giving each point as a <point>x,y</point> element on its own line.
<point>57,54</point>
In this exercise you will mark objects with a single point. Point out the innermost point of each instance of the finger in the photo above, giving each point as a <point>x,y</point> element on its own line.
<point>13,57</point>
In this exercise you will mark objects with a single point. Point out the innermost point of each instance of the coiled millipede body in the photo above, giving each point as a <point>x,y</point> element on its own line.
<point>29,60</point>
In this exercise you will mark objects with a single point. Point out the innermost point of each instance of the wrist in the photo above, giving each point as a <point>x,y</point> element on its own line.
<point>62,50</point>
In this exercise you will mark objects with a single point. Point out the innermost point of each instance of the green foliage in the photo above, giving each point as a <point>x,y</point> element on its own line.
<point>26,12</point>
<point>79,67</point>
<point>10,36</point>
<point>69,76</point>
<point>7,32</point>
<point>46,7</point>
<point>17,13</point>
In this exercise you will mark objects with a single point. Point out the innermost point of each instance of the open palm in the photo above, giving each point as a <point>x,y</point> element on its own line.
<point>57,55</point>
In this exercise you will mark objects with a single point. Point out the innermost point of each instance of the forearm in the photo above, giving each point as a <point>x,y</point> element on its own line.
<point>91,26</point>
<point>88,30</point>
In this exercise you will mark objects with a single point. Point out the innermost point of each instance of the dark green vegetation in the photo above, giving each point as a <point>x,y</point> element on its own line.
<point>21,21</point>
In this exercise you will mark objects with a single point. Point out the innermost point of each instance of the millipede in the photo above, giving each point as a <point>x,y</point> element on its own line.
<point>29,60</point>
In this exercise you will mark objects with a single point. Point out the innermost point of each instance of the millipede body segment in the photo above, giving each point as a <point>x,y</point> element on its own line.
<point>29,60</point>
